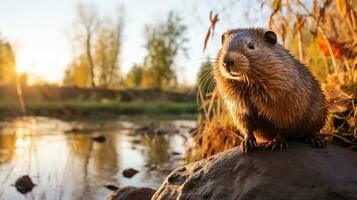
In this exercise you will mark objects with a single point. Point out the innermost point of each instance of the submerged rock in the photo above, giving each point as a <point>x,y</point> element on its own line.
<point>111,187</point>
<point>175,153</point>
<point>299,172</point>
<point>99,138</point>
<point>132,193</point>
<point>128,173</point>
<point>24,184</point>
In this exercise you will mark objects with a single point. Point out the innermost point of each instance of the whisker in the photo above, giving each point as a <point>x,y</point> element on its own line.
<point>208,81</point>
<point>255,77</point>
<point>204,78</point>
<point>202,83</point>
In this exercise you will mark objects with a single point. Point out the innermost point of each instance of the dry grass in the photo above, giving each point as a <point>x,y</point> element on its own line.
<point>216,131</point>
<point>217,136</point>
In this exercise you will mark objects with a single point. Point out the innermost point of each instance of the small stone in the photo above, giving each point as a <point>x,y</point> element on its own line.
<point>128,173</point>
<point>24,184</point>
<point>175,153</point>
<point>111,187</point>
<point>99,138</point>
<point>192,131</point>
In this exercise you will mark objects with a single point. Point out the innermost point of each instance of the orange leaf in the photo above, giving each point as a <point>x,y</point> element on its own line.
<point>206,38</point>
<point>213,20</point>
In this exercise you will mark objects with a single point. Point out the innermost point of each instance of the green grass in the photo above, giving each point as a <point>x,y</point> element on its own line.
<point>90,108</point>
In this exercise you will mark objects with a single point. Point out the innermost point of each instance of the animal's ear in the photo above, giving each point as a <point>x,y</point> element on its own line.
<point>223,37</point>
<point>270,37</point>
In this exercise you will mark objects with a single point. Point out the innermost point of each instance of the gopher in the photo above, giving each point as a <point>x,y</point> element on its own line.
<point>268,92</point>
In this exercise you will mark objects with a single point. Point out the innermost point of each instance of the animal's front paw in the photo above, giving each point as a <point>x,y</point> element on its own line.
<point>277,143</point>
<point>316,142</point>
<point>248,144</point>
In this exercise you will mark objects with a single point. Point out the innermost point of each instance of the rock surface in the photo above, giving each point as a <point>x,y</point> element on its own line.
<point>24,184</point>
<point>130,172</point>
<point>300,172</point>
<point>111,187</point>
<point>99,138</point>
<point>132,193</point>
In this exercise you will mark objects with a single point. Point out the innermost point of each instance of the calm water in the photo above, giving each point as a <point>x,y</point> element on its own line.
<point>65,163</point>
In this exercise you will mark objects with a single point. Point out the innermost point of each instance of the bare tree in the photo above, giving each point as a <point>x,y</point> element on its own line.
<point>97,42</point>
<point>108,49</point>
<point>87,18</point>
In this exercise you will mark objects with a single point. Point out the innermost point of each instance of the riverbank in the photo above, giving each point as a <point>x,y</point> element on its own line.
<point>95,108</point>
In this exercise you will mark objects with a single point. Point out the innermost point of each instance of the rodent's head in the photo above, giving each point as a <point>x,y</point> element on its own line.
<point>243,52</point>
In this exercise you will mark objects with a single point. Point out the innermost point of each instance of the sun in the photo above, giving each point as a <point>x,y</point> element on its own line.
<point>40,66</point>
<point>23,69</point>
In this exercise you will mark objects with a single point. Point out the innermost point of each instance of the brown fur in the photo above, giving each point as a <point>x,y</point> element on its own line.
<point>275,94</point>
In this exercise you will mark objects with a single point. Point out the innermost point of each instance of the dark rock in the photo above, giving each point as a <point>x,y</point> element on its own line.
<point>175,153</point>
<point>24,184</point>
<point>300,172</point>
<point>99,138</point>
<point>111,187</point>
<point>192,131</point>
<point>132,193</point>
<point>130,172</point>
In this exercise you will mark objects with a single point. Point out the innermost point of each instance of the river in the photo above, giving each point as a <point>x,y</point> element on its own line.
<point>65,162</point>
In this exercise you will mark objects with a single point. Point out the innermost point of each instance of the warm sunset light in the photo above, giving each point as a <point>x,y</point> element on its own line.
<point>40,64</point>
<point>23,69</point>
<point>45,50</point>
<point>23,140</point>
<point>185,99</point>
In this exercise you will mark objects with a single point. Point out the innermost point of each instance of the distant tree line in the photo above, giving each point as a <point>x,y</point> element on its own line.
<point>97,49</point>
<point>97,41</point>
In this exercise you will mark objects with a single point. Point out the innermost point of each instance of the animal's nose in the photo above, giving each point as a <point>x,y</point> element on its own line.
<point>228,62</point>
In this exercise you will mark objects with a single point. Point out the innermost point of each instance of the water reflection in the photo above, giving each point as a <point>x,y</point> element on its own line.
<point>7,148</point>
<point>66,163</point>
<point>157,153</point>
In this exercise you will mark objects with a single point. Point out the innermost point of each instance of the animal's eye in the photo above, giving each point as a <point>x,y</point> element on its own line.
<point>250,45</point>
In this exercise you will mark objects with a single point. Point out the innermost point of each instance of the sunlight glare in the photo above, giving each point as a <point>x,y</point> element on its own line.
<point>23,69</point>
<point>23,142</point>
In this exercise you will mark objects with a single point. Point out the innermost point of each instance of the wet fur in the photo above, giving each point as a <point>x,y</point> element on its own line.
<point>278,93</point>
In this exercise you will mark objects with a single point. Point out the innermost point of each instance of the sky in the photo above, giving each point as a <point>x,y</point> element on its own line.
<point>38,30</point>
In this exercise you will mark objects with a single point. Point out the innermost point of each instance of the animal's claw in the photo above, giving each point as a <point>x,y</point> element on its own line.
<point>248,144</point>
<point>316,142</point>
<point>277,144</point>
